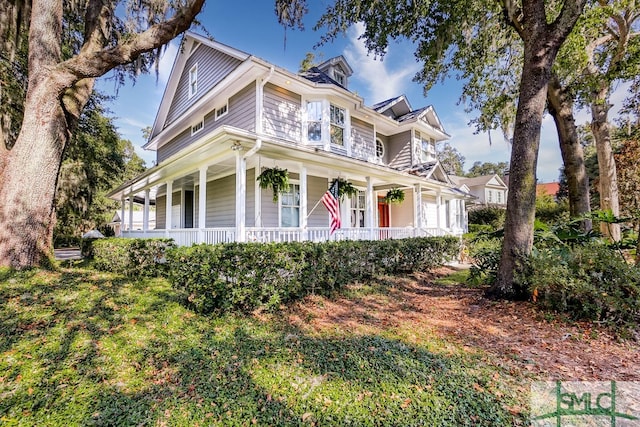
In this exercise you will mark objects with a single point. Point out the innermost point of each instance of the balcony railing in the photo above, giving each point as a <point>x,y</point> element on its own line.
<point>189,236</point>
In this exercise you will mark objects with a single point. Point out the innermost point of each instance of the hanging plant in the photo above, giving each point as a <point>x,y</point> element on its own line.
<point>345,188</point>
<point>395,196</point>
<point>277,179</point>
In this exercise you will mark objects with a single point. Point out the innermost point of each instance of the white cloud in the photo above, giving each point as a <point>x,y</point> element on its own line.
<point>166,62</point>
<point>380,80</point>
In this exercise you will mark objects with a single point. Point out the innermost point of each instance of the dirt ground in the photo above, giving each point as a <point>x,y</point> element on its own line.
<point>512,334</point>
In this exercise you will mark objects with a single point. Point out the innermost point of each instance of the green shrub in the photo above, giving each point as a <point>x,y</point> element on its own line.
<point>247,276</point>
<point>131,257</point>
<point>587,282</point>
<point>485,255</point>
<point>488,215</point>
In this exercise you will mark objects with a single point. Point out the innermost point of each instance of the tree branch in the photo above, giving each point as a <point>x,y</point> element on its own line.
<point>95,63</point>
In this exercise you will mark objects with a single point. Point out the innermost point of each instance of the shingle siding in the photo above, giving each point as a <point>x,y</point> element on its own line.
<point>399,148</point>
<point>362,140</point>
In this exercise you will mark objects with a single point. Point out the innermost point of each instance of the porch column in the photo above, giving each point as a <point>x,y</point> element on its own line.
<point>438,209</point>
<point>417,209</point>
<point>145,213</point>
<point>303,202</point>
<point>258,195</point>
<point>202,203</point>
<point>370,205</point>
<point>130,211</point>
<point>241,196</point>
<point>122,216</point>
<point>169,203</point>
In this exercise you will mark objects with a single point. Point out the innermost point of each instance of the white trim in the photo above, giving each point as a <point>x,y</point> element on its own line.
<point>220,109</point>
<point>199,125</point>
<point>292,182</point>
<point>193,82</point>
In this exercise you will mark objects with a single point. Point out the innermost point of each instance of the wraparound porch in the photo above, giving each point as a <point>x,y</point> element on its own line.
<point>189,236</point>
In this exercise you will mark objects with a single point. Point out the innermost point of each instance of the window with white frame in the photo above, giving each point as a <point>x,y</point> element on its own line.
<point>290,207</point>
<point>379,149</point>
<point>498,196</point>
<point>197,127</point>
<point>193,80</point>
<point>340,78</point>
<point>358,207</point>
<point>337,120</point>
<point>489,196</point>
<point>222,111</point>
<point>427,147</point>
<point>460,214</point>
<point>314,121</point>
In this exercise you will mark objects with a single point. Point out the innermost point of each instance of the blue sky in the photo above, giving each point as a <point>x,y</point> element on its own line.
<point>252,27</point>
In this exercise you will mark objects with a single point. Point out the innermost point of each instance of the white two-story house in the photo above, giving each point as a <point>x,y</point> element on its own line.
<point>226,116</point>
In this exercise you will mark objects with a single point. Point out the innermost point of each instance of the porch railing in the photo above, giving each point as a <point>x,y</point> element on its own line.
<point>189,236</point>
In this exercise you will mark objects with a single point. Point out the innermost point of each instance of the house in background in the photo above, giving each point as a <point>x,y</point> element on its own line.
<point>133,220</point>
<point>227,116</point>
<point>488,189</point>
<point>550,188</point>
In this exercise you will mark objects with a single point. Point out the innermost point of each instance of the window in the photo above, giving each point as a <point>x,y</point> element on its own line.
<point>340,78</point>
<point>427,147</point>
<point>358,205</point>
<point>379,149</point>
<point>193,80</point>
<point>498,196</point>
<point>489,196</point>
<point>314,121</point>
<point>221,111</point>
<point>197,127</point>
<point>290,207</point>
<point>337,116</point>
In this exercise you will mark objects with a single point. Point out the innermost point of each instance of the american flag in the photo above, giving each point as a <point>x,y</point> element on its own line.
<point>330,201</point>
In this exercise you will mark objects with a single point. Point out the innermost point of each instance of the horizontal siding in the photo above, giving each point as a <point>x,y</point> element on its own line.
<point>363,144</point>
<point>221,202</point>
<point>213,66</point>
<point>241,115</point>
<point>161,212</point>
<point>316,187</point>
<point>402,213</point>
<point>242,110</point>
<point>269,210</point>
<point>282,113</point>
<point>250,203</point>
<point>399,147</point>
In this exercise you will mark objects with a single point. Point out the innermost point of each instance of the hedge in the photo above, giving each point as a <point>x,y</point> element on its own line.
<point>131,257</point>
<point>247,276</point>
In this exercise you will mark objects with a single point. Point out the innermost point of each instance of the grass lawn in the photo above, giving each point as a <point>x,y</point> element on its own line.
<point>78,347</point>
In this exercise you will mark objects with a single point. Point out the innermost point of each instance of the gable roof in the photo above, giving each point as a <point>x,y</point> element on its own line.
<point>315,75</point>
<point>189,43</point>
<point>335,61</point>
<point>478,180</point>
<point>431,170</point>
<point>397,106</point>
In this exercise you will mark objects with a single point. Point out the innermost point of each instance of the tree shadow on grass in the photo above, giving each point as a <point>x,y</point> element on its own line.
<point>84,348</point>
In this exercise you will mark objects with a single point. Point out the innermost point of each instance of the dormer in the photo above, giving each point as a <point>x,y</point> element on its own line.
<point>338,69</point>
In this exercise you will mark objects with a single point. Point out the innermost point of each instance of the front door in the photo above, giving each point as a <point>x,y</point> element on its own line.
<point>383,213</point>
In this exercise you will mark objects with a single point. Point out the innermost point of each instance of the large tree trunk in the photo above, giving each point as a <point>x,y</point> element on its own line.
<point>561,108</point>
<point>57,93</point>
<point>29,182</point>
<point>608,181</point>
<point>541,44</point>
